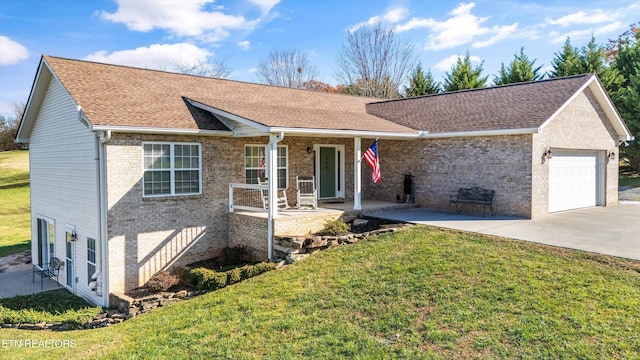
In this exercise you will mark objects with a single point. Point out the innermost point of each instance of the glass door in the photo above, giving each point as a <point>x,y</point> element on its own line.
<point>69,263</point>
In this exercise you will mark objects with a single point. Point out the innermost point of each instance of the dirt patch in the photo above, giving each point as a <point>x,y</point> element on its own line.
<point>16,262</point>
<point>371,224</point>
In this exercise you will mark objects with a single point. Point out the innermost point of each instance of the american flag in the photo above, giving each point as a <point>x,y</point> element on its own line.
<point>371,157</point>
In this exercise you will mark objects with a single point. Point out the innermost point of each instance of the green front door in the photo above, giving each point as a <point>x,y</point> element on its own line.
<point>328,174</point>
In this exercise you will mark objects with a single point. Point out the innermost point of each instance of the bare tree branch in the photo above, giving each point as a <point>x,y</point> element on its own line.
<point>216,69</point>
<point>287,67</point>
<point>374,63</point>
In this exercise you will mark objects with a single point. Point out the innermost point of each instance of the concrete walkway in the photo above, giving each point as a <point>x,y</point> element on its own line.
<point>16,277</point>
<point>612,230</point>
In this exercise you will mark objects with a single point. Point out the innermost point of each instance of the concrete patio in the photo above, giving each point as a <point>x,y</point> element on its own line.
<point>611,230</point>
<point>16,278</point>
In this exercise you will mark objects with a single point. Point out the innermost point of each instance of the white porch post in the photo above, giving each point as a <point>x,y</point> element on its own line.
<point>272,194</point>
<point>357,174</point>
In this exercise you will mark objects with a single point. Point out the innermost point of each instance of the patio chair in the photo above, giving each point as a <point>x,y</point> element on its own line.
<point>307,192</point>
<point>281,196</point>
<point>49,270</point>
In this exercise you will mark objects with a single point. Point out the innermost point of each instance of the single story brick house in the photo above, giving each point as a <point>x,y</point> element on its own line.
<point>134,171</point>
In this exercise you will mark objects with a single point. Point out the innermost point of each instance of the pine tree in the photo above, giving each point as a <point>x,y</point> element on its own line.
<point>625,55</point>
<point>464,76</point>
<point>520,69</point>
<point>421,84</point>
<point>567,62</point>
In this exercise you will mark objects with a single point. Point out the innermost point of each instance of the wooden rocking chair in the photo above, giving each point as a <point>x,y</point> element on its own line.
<point>281,196</point>
<point>307,192</point>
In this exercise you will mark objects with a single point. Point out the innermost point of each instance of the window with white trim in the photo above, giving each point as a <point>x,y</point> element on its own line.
<point>255,164</point>
<point>172,169</point>
<point>91,259</point>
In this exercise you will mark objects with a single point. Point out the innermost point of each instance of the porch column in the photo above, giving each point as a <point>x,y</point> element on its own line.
<point>357,174</point>
<point>272,194</point>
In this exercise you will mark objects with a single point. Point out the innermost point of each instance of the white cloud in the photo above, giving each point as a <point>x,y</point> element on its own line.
<point>182,18</point>
<point>244,45</point>
<point>582,17</point>
<point>265,5</point>
<point>501,33</point>
<point>392,16</point>
<point>584,33</point>
<point>252,70</point>
<point>156,56</point>
<point>446,63</point>
<point>460,28</point>
<point>12,51</point>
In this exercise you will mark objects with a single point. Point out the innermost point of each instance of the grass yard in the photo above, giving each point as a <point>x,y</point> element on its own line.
<point>15,232</point>
<point>629,179</point>
<point>418,293</point>
<point>50,306</point>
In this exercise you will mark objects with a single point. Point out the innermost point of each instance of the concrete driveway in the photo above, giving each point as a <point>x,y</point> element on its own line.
<point>612,230</point>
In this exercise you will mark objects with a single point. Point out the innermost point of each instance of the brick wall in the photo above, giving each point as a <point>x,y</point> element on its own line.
<point>249,230</point>
<point>582,125</point>
<point>303,224</point>
<point>441,166</point>
<point>147,235</point>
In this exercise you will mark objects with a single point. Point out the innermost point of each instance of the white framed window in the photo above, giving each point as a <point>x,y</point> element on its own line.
<point>255,164</point>
<point>171,169</point>
<point>91,259</point>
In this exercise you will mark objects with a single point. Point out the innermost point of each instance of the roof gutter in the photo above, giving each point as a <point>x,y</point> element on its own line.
<point>160,131</point>
<point>347,133</point>
<point>481,133</point>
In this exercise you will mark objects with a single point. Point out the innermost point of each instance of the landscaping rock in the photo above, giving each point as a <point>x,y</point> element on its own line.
<point>359,222</point>
<point>315,242</point>
<point>296,257</point>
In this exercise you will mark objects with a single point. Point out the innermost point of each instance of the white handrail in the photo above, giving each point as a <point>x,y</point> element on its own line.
<point>233,207</point>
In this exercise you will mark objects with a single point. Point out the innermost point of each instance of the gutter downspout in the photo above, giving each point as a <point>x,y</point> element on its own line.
<point>102,276</point>
<point>272,173</point>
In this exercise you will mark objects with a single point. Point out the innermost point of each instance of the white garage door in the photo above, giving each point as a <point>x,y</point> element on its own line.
<point>573,181</point>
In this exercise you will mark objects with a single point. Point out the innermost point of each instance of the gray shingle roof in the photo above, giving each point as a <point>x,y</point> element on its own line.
<point>516,106</point>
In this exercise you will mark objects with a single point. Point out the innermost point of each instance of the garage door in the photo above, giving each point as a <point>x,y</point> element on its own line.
<point>573,181</point>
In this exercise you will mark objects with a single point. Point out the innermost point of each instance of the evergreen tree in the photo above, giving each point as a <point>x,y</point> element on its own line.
<point>421,83</point>
<point>567,62</point>
<point>520,69</point>
<point>464,76</point>
<point>625,55</point>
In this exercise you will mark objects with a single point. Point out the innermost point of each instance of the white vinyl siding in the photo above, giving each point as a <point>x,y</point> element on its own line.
<point>255,161</point>
<point>171,169</point>
<point>62,161</point>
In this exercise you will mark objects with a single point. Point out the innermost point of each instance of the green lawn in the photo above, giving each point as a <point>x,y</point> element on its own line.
<point>418,293</point>
<point>629,179</point>
<point>15,232</point>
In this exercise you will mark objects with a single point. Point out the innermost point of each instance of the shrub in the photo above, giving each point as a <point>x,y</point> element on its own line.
<point>162,281</point>
<point>205,279</point>
<point>335,227</point>
<point>234,276</point>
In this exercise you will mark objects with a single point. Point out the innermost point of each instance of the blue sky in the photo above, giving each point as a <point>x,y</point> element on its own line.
<point>159,33</point>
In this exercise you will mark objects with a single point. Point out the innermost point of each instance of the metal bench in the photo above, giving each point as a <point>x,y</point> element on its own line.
<point>47,271</point>
<point>474,195</point>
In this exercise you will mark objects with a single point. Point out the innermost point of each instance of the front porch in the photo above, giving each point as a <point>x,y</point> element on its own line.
<point>251,228</point>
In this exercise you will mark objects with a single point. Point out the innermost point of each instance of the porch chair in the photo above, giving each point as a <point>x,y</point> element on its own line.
<point>307,192</point>
<point>49,270</point>
<point>281,196</point>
